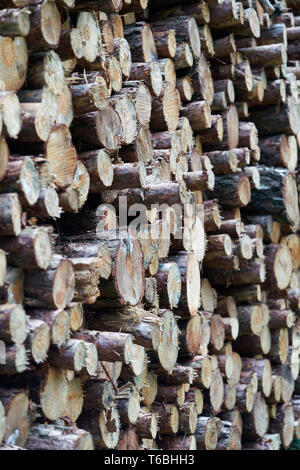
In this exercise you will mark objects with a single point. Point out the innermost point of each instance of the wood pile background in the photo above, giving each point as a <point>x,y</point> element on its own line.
<point>147,341</point>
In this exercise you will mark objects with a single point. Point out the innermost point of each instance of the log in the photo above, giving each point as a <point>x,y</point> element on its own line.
<point>147,425</point>
<point>14,324</point>
<point>183,57</point>
<point>267,442</point>
<point>128,400</point>
<point>12,289</point>
<point>54,437</point>
<point>285,121</point>
<point>198,113</point>
<point>169,418</point>
<point>103,128</point>
<point>171,394</point>
<point>22,177</point>
<point>238,192</point>
<point>15,360</point>
<point>39,338</point>
<point>42,37</point>
<point>141,41</point>
<point>202,367</point>
<point>14,67</point>
<point>30,250</point>
<point>207,433</point>
<point>179,442</point>
<point>165,110</point>
<point>53,287</point>
<point>104,427</point>
<point>202,80</point>
<point>15,404</point>
<point>229,437</point>
<point>284,424</point>
<point>285,203</point>
<point>256,423</point>
<point>188,418</point>
<point>150,73</point>
<point>186,30</point>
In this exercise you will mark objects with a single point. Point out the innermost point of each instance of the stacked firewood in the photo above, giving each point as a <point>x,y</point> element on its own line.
<point>186,325</point>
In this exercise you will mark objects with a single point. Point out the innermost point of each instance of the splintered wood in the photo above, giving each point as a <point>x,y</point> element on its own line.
<point>149,224</point>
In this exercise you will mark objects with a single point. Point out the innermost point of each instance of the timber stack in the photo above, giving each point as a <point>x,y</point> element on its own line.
<point>167,335</point>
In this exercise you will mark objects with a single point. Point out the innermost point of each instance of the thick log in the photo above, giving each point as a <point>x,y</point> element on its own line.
<point>183,57</point>
<point>229,437</point>
<point>250,345</point>
<point>30,250</point>
<point>15,404</point>
<point>15,360</point>
<point>58,321</point>
<point>141,41</point>
<point>38,340</point>
<point>207,433</point>
<point>202,367</point>
<point>22,177</point>
<point>186,31</point>
<point>171,394</point>
<point>128,403</point>
<point>53,437</point>
<point>169,418</point>
<point>283,206</point>
<point>148,72</point>
<point>285,121</point>
<point>256,423</point>
<point>202,80</point>
<point>147,425</point>
<point>45,27</point>
<point>98,129</point>
<point>104,427</point>
<point>46,69</point>
<point>236,191</point>
<point>199,115</point>
<point>165,110</point>
<point>14,66</point>
<point>283,424</point>
<point>12,290</point>
<point>13,324</point>
<point>53,287</point>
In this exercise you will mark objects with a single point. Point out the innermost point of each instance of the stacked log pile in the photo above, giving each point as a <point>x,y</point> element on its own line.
<point>181,332</point>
